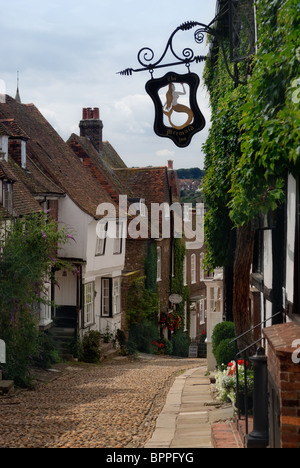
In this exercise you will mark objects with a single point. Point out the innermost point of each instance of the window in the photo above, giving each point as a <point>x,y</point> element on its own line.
<point>7,196</point>
<point>185,318</point>
<point>202,311</point>
<point>185,271</point>
<point>89,303</point>
<point>193,269</point>
<point>23,154</point>
<point>118,239</point>
<point>202,271</point>
<point>106,297</point>
<point>158,263</point>
<point>101,238</point>
<point>116,296</point>
<point>111,297</point>
<point>4,147</point>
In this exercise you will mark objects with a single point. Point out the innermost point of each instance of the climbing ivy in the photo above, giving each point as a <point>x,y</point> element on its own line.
<point>151,268</point>
<point>254,137</point>
<point>270,123</point>
<point>177,285</point>
<point>222,150</point>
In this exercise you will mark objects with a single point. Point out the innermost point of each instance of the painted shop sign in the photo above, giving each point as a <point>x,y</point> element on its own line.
<point>177,114</point>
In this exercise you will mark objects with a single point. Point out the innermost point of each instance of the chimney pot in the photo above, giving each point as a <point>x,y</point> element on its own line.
<point>170,165</point>
<point>96,113</point>
<point>91,126</point>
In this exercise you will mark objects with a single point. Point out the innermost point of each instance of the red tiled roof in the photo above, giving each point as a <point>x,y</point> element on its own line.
<point>111,157</point>
<point>94,161</point>
<point>10,127</point>
<point>23,202</point>
<point>148,183</point>
<point>54,157</point>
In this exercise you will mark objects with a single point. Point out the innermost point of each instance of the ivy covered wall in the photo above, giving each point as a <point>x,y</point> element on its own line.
<point>254,139</point>
<point>253,142</point>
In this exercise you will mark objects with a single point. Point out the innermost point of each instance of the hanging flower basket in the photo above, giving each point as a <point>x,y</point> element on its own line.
<point>171,321</point>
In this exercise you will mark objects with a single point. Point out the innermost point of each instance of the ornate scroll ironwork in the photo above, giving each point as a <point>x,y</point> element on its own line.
<point>146,56</point>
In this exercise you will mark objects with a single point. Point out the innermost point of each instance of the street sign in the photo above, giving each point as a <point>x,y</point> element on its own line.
<point>175,299</point>
<point>167,94</point>
<point>193,351</point>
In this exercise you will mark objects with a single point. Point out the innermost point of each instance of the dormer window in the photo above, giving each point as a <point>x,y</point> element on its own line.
<point>7,196</point>
<point>4,147</point>
<point>23,154</point>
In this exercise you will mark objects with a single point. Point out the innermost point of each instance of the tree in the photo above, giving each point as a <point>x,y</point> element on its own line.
<point>29,253</point>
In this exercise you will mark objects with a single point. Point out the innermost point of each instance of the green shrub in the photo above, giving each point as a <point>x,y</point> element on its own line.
<point>142,334</point>
<point>48,353</point>
<point>180,344</point>
<point>222,331</point>
<point>91,351</point>
<point>225,352</point>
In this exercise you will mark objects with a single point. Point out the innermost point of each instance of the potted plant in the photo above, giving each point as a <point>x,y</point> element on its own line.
<point>226,385</point>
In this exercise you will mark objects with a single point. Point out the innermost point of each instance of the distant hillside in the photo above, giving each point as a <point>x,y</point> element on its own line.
<point>193,173</point>
<point>190,181</point>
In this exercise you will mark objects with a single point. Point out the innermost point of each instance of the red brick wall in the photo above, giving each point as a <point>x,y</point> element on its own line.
<point>136,252</point>
<point>286,376</point>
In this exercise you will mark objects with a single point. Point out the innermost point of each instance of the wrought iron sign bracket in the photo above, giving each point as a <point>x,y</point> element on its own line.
<point>146,55</point>
<point>177,114</point>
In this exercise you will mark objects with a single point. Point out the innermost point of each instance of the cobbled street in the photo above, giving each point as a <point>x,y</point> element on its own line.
<point>112,405</point>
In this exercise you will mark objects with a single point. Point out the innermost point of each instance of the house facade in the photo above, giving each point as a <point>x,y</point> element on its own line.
<point>146,193</point>
<point>135,190</point>
<point>60,184</point>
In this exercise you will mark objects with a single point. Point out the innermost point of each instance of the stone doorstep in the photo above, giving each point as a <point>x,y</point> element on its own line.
<point>6,386</point>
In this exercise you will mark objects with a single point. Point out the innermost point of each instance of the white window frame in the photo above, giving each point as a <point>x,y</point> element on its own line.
<point>202,270</point>
<point>118,238</point>
<point>185,271</point>
<point>193,269</point>
<point>23,153</point>
<point>106,297</point>
<point>4,147</point>
<point>202,311</point>
<point>89,302</point>
<point>116,299</point>
<point>101,240</point>
<point>185,319</point>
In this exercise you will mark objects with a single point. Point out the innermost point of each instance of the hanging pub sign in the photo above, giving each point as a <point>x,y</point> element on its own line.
<point>177,114</point>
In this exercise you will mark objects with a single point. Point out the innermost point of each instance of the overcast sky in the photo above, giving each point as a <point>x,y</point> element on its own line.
<point>68,53</point>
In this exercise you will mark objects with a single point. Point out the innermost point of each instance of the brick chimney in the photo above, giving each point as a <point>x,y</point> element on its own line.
<point>170,165</point>
<point>91,126</point>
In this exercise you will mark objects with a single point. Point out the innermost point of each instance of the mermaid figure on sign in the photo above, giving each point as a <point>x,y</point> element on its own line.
<point>172,106</point>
